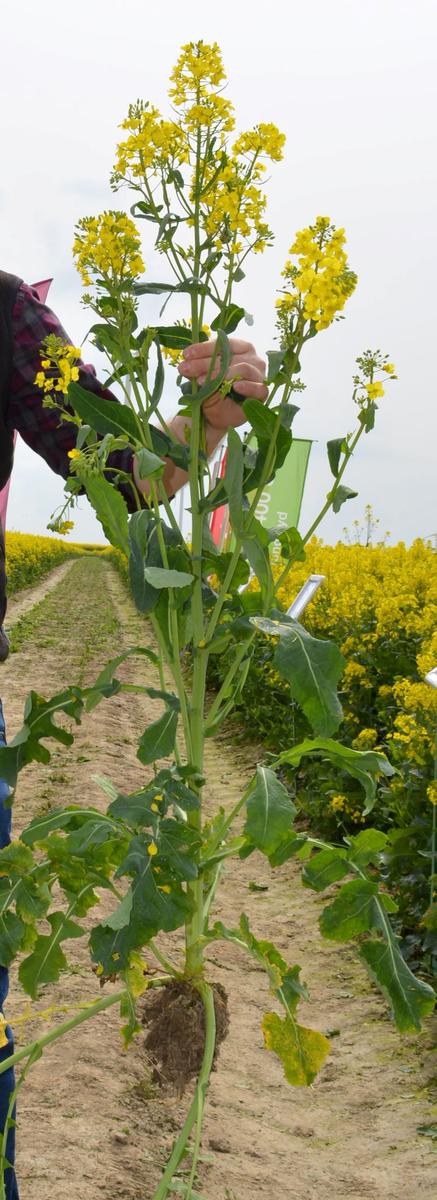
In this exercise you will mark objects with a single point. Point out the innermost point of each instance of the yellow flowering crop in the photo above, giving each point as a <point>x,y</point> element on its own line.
<point>196,83</point>
<point>431,792</point>
<point>108,246</point>
<point>379,604</point>
<point>152,144</point>
<point>58,365</point>
<point>320,282</point>
<point>29,558</point>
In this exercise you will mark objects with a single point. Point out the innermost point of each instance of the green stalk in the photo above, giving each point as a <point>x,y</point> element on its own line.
<point>91,1010</point>
<point>203,1081</point>
<point>9,1119</point>
<point>194,954</point>
<point>64,1027</point>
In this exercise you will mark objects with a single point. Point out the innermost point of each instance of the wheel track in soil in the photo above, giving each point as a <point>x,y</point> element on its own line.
<point>90,1122</point>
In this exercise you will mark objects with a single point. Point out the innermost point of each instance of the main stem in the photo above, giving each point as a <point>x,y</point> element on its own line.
<point>194,928</point>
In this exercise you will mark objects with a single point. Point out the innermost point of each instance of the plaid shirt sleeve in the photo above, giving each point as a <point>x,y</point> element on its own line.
<point>41,428</point>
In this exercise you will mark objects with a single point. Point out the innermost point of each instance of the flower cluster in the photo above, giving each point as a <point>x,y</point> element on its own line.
<point>57,525</point>
<point>196,83</point>
<point>265,140</point>
<point>342,807</point>
<point>320,282</point>
<point>367,389</point>
<point>234,209</point>
<point>108,247</point>
<point>58,365</point>
<point>152,145</point>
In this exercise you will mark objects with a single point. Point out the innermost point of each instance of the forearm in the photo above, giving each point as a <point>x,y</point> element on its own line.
<point>174,477</point>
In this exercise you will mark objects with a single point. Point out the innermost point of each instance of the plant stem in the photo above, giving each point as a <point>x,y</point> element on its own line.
<point>91,1010</point>
<point>193,931</point>
<point>65,1027</point>
<point>203,1081</point>
<point>162,958</point>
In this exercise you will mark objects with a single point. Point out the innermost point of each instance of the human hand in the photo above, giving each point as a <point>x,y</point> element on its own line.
<point>221,412</point>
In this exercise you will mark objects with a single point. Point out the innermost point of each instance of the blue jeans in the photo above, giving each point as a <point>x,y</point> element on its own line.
<point>7,1082</point>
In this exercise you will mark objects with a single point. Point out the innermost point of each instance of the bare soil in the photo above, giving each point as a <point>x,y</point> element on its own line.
<point>92,1123</point>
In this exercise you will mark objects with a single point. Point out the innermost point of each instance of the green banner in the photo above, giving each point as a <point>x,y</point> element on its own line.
<point>280,503</point>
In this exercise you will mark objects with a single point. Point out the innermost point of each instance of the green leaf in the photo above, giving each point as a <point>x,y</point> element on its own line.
<point>42,826</point>
<point>175,337</point>
<point>149,465</point>
<point>159,738</point>
<point>144,547</point>
<point>335,448</point>
<point>177,846</point>
<point>105,416</point>
<point>270,811</point>
<point>26,746</point>
<point>158,385</point>
<point>111,511</point>
<point>366,847</point>
<point>217,564</point>
<point>364,765</point>
<point>275,359</point>
<point>167,783</point>
<point>326,867</point>
<point>259,559</point>
<point>32,899</point>
<point>47,960</point>
<point>311,666</point>
<point>290,845</point>
<point>355,910</point>
<point>292,545</point>
<point>105,338</point>
<point>148,911</point>
<point>341,495</point>
<point>302,1051</point>
<point>145,551</point>
<point>261,419</point>
<point>411,999</point>
<point>12,930</point>
<point>233,480</point>
<point>158,577</point>
<point>96,692</point>
<point>229,319</point>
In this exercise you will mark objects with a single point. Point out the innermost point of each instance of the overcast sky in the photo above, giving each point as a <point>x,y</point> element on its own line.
<point>353,85</point>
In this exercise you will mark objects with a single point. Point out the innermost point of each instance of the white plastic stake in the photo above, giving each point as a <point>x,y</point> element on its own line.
<point>306,594</point>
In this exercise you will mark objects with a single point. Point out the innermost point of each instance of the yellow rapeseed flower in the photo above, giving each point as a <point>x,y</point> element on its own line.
<point>431,791</point>
<point>196,83</point>
<point>320,282</point>
<point>374,389</point>
<point>108,246</point>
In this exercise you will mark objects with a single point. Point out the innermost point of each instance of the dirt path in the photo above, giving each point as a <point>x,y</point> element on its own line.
<point>25,600</point>
<point>91,1123</point>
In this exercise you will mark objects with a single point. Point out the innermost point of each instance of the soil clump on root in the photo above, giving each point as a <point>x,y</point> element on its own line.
<point>175,1022</point>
